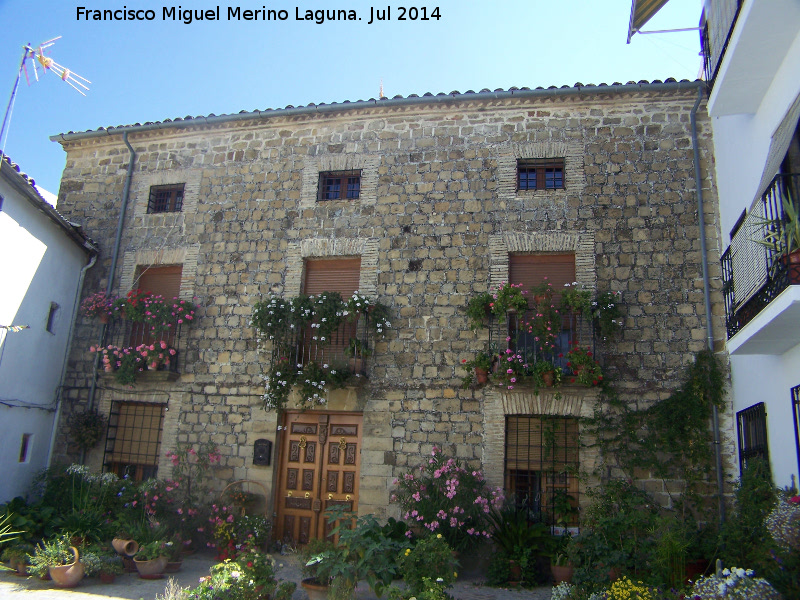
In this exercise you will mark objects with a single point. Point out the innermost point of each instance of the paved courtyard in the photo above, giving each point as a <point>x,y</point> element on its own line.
<point>131,587</point>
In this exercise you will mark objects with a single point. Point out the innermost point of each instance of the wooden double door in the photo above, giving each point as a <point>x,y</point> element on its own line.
<point>319,467</point>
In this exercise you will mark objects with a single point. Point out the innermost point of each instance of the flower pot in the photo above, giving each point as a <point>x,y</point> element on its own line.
<point>125,547</point>
<point>562,573</point>
<point>107,577</point>
<point>173,566</point>
<point>548,378</point>
<point>104,318</point>
<point>515,573</point>
<point>314,590</point>
<point>128,564</point>
<point>151,569</point>
<point>481,376</point>
<point>68,576</point>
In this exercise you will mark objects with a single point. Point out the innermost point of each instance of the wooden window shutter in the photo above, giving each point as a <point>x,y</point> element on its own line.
<point>332,275</point>
<point>162,281</point>
<point>531,269</point>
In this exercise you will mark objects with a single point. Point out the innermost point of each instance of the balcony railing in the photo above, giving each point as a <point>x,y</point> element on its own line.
<point>752,274</point>
<point>513,334</point>
<point>128,334</point>
<point>348,347</point>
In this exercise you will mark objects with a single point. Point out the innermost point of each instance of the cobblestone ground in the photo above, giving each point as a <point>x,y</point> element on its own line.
<point>131,587</point>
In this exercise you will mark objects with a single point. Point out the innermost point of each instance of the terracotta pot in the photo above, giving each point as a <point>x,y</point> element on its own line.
<point>481,376</point>
<point>562,573</point>
<point>128,564</point>
<point>151,569</point>
<point>314,590</point>
<point>105,318</point>
<point>107,577</point>
<point>173,567</point>
<point>68,576</point>
<point>125,547</point>
<point>548,378</point>
<point>515,573</point>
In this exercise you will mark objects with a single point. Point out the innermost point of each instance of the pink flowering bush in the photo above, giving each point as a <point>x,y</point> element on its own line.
<point>443,497</point>
<point>187,494</point>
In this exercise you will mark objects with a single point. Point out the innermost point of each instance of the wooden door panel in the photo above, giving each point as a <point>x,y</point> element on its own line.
<point>319,468</point>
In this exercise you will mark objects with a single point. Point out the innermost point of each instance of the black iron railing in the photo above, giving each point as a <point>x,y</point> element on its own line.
<point>347,347</point>
<point>514,334</point>
<point>754,274</point>
<point>170,343</point>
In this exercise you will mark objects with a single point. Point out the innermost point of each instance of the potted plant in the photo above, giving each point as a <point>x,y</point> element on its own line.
<point>546,374</point>
<point>86,428</point>
<point>152,559</point>
<point>479,309</point>
<point>586,370</point>
<point>782,235</point>
<point>98,306</point>
<point>478,368</point>
<point>108,567</point>
<point>60,559</point>
<point>357,351</point>
<point>508,297</point>
<point>316,572</point>
<point>361,552</point>
<point>18,556</point>
<point>576,299</point>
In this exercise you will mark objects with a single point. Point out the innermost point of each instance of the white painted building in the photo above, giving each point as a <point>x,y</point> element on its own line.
<point>41,272</point>
<point>751,52</point>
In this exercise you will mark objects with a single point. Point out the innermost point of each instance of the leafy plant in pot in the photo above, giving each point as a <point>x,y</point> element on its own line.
<point>782,235</point>
<point>152,558</point>
<point>478,368</point>
<point>316,572</point>
<point>361,552</point>
<point>60,559</point>
<point>479,309</point>
<point>519,541</point>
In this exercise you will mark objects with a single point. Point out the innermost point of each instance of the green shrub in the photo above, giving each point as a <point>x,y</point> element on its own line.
<point>431,558</point>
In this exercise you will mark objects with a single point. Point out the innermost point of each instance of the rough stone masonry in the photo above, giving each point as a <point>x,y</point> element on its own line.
<point>438,215</point>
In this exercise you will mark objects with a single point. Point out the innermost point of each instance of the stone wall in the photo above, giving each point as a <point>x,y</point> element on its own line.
<point>438,215</point>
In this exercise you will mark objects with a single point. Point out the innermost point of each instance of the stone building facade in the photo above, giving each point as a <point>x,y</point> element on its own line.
<point>438,215</point>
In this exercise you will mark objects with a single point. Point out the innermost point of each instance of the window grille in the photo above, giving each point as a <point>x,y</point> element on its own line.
<point>541,467</point>
<point>165,198</point>
<point>133,441</point>
<point>752,429</point>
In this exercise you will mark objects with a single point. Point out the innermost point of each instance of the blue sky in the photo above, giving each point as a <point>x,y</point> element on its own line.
<point>154,70</point>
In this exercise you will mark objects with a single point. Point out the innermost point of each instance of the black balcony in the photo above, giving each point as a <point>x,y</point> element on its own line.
<point>512,334</point>
<point>753,275</point>
<point>128,334</point>
<point>347,348</point>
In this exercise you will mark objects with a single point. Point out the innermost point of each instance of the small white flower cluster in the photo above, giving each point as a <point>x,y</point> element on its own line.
<point>734,584</point>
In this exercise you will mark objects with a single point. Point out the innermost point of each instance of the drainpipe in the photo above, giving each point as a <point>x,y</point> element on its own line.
<point>114,258</point>
<point>707,297</point>
<point>76,306</point>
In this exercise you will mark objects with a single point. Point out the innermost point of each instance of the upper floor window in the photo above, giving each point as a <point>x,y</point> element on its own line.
<point>540,174</point>
<point>339,185</point>
<point>165,198</point>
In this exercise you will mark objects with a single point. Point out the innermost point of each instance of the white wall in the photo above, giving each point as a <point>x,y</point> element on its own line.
<point>769,379</point>
<point>40,265</point>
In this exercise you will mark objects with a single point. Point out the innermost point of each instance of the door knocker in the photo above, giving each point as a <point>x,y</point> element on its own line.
<point>302,442</point>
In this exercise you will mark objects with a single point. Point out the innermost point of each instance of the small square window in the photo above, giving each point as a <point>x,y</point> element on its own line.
<point>540,174</point>
<point>339,185</point>
<point>165,198</point>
